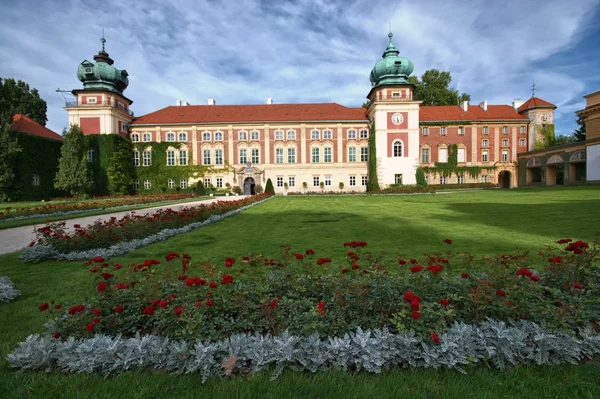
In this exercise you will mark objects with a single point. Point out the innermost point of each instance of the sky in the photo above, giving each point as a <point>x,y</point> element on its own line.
<point>304,51</point>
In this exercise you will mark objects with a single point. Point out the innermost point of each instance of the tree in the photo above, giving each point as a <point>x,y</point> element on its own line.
<point>372,179</point>
<point>9,149</point>
<point>200,190</point>
<point>420,176</point>
<point>579,134</point>
<point>120,170</point>
<point>17,98</point>
<point>433,89</point>
<point>73,173</point>
<point>269,187</point>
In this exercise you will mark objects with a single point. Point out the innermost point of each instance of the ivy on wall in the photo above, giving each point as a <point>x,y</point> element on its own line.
<point>372,179</point>
<point>451,167</point>
<point>549,139</point>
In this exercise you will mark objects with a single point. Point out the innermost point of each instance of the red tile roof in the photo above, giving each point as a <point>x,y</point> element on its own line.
<point>24,124</point>
<point>535,102</point>
<point>188,114</point>
<point>474,113</point>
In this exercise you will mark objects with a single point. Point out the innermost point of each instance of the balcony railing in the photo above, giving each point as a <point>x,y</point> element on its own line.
<point>75,104</point>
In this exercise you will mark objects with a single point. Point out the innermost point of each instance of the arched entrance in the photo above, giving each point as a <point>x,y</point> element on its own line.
<point>504,179</point>
<point>249,186</point>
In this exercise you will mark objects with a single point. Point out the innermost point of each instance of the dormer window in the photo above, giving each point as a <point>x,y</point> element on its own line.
<point>89,70</point>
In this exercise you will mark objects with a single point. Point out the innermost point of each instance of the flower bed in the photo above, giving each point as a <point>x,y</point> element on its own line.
<point>8,292</point>
<point>119,236</point>
<point>69,208</point>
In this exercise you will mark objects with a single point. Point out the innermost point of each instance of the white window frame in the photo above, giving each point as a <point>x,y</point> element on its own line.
<point>425,131</point>
<point>363,180</point>
<point>170,137</point>
<point>485,130</point>
<point>328,181</point>
<point>255,156</point>
<point>460,179</point>
<point>395,145</point>
<point>243,136</point>
<point>243,156</point>
<point>91,100</point>
<point>461,131</point>
<point>291,155</point>
<point>462,151</point>
<point>443,179</point>
<point>352,181</point>
<point>315,135</point>
<point>219,182</point>
<point>90,155</point>
<point>279,135</point>
<point>443,131</point>
<point>364,133</point>
<point>146,137</point>
<point>504,129</point>
<point>291,135</point>
<point>136,158</point>
<point>206,136</point>
<point>255,135</point>
<point>170,157</point>
<point>36,180</point>
<point>147,184</point>
<point>183,183</point>
<point>505,157</point>
<point>522,142</point>
<point>147,158</point>
<point>206,158</point>
<point>279,181</point>
<point>423,158</point>
<point>327,134</point>
<point>207,182</point>
<point>485,156</point>
<point>278,155</point>
<point>327,154</point>
<point>182,136</point>
<point>316,181</point>
<point>364,154</point>
<point>183,161</point>
<point>136,184</point>
<point>485,179</point>
<point>315,155</point>
<point>485,143</point>
<point>504,142</point>
<point>218,136</point>
<point>351,154</point>
<point>351,134</point>
<point>522,130</point>
<point>443,159</point>
<point>171,183</point>
<point>135,137</point>
<point>219,156</point>
<point>292,181</point>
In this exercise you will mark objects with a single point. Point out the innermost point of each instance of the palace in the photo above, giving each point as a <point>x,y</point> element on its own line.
<point>313,147</point>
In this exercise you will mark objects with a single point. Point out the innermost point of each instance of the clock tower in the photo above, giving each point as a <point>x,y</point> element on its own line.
<point>396,118</point>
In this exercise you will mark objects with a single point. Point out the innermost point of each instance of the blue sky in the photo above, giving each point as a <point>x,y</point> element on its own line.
<point>241,52</point>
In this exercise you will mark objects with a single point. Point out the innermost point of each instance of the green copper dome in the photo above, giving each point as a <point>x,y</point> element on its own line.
<point>102,75</point>
<point>392,69</point>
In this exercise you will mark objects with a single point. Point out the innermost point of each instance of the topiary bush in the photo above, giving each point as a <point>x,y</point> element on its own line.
<point>200,190</point>
<point>269,187</point>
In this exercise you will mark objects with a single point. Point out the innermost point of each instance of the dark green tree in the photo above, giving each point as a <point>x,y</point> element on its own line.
<point>420,175</point>
<point>579,134</point>
<point>9,150</point>
<point>73,173</point>
<point>564,139</point>
<point>200,190</point>
<point>372,180</point>
<point>120,170</point>
<point>17,98</point>
<point>269,187</point>
<point>434,89</point>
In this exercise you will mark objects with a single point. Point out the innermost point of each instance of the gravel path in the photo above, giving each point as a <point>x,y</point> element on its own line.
<point>18,238</point>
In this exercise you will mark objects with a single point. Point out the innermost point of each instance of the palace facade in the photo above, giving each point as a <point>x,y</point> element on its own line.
<point>313,147</point>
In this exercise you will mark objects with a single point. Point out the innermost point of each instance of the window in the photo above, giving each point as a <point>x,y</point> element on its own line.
<point>461,131</point>
<point>427,178</point>
<point>443,130</point>
<point>291,155</point>
<point>206,157</point>
<point>36,180</point>
<point>353,180</point>
<point>291,135</point>
<point>442,179</point>
<point>397,148</point>
<point>364,154</point>
<point>504,156</point>
<point>315,135</point>
<point>352,154</point>
<point>485,130</point>
<point>170,158</point>
<point>364,134</point>
<point>254,135</point>
<point>90,155</point>
<point>278,155</point>
<point>206,136</point>
<point>171,183</point>
<point>135,137</point>
<point>363,180</point>
<point>425,155</point>
<point>170,137</point>
<point>398,179</point>
<point>461,179</point>
<point>207,182</point>
<point>242,136</point>
<point>219,182</point>
<point>484,179</point>
<point>315,181</point>
<point>182,136</point>
<point>504,142</point>
<point>504,129</point>
<point>328,181</point>
<point>146,137</point>
<point>255,157</point>
<point>279,135</point>
<point>243,155</point>
<point>147,158</point>
<point>147,184</point>
<point>522,142</point>
<point>136,158</point>
<point>460,155</point>
<point>183,157</point>
<point>183,183</point>
<point>327,134</point>
<point>522,129</point>
<point>218,136</point>
<point>316,152</point>
<point>425,131</point>
<point>136,184</point>
<point>443,155</point>
<point>292,181</point>
<point>219,157</point>
<point>484,156</point>
<point>485,143</point>
<point>91,100</point>
<point>279,181</point>
<point>351,134</point>
<point>327,154</point>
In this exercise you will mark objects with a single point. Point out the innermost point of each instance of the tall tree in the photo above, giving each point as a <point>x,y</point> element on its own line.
<point>434,89</point>
<point>17,98</point>
<point>120,171</point>
<point>9,149</point>
<point>73,173</point>
<point>580,133</point>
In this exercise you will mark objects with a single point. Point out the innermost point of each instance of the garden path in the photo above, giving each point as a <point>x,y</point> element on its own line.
<point>18,238</point>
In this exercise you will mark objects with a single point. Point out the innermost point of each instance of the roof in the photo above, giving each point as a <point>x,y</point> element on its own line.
<point>192,114</point>
<point>535,102</point>
<point>24,124</point>
<point>474,113</point>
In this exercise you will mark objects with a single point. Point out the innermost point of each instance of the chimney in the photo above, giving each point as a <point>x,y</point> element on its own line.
<point>464,105</point>
<point>269,100</point>
<point>211,101</point>
<point>483,105</point>
<point>517,103</point>
<point>178,103</point>
<point>185,103</point>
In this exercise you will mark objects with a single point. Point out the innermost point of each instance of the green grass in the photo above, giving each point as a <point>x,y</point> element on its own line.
<point>483,222</point>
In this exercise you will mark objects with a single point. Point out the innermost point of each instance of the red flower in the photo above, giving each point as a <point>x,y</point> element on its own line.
<point>448,241</point>
<point>435,269</point>
<point>209,303</point>
<point>172,296</point>
<point>321,307</point>
<point>414,261</point>
<point>564,241</point>
<point>464,275</point>
<point>102,286</point>
<point>43,306</point>
<point>401,261</point>
<point>310,252</point>
<point>178,311</point>
<point>122,286</point>
<point>524,272</point>
<point>577,286</point>
<point>408,296</point>
<point>355,266</point>
<point>98,259</point>
<point>106,276</point>
<point>56,335</point>
<point>182,277</point>
<point>198,304</point>
<point>344,271</point>
<point>90,326</point>
<point>416,269</point>
<point>76,309</point>
<point>435,338</point>
<point>535,278</point>
<point>273,304</point>
<point>444,302</point>
<point>416,315</point>
<point>299,256</point>
<point>96,320</point>
<point>163,303</point>
<point>227,279</point>
<point>556,260</point>
<point>213,284</point>
<point>415,306</point>
<point>96,311</point>
<point>118,309</point>
<point>577,247</point>
<point>171,255</point>
<point>57,307</point>
<point>500,293</point>
<point>149,310</point>
<point>117,266</point>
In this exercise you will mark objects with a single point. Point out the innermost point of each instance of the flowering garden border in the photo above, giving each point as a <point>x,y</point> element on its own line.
<point>8,292</point>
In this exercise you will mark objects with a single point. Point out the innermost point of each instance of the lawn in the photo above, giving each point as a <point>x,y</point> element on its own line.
<point>482,222</point>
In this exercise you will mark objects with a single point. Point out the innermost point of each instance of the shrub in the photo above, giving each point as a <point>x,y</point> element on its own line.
<point>7,290</point>
<point>258,189</point>
<point>420,176</point>
<point>341,185</point>
<point>269,187</point>
<point>200,190</point>
<point>237,190</point>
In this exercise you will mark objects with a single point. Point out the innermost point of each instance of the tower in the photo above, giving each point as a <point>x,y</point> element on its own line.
<point>396,118</point>
<point>101,107</point>
<point>541,120</point>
